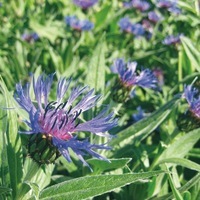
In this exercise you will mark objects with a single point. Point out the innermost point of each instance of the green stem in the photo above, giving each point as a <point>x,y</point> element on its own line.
<point>180,71</point>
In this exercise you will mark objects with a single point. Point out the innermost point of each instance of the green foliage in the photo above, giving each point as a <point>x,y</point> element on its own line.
<point>91,186</point>
<point>150,159</point>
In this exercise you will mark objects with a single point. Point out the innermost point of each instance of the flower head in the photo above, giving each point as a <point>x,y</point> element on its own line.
<point>85,3</point>
<point>170,5</point>
<point>30,37</point>
<point>140,5</point>
<point>80,25</point>
<point>59,121</point>
<point>127,26</point>
<point>137,29</point>
<point>154,17</point>
<point>171,39</point>
<point>128,76</point>
<point>166,3</point>
<point>191,95</point>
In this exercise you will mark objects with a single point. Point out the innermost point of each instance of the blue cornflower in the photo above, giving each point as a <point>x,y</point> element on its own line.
<point>30,37</point>
<point>126,26</point>
<point>137,29</point>
<point>154,17</point>
<point>166,3</point>
<point>170,5</point>
<point>191,95</point>
<point>80,25</point>
<point>171,39</point>
<point>128,76</point>
<point>85,3</point>
<point>140,5</point>
<point>59,121</point>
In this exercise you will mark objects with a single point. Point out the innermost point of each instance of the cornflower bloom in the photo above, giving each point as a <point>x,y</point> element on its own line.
<point>137,29</point>
<point>190,120</point>
<point>54,125</point>
<point>30,37</point>
<point>85,3</point>
<point>166,3</point>
<point>129,78</point>
<point>191,95</point>
<point>154,17</point>
<point>170,5</point>
<point>125,25</point>
<point>79,25</point>
<point>137,4</point>
<point>128,27</point>
<point>140,5</point>
<point>171,39</point>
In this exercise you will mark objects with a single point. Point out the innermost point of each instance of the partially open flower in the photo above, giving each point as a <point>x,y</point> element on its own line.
<point>129,78</point>
<point>190,120</point>
<point>54,125</point>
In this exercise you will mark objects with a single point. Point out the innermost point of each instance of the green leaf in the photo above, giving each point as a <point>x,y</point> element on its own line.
<point>14,152</point>
<point>186,187</point>
<point>101,16</point>
<point>96,68</point>
<point>4,190</point>
<point>180,147</point>
<point>35,179</point>
<point>35,189</point>
<point>176,193</point>
<point>144,127</point>
<point>91,186</point>
<point>192,53</point>
<point>4,173</point>
<point>46,30</point>
<point>101,165</point>
<point>183,162</point>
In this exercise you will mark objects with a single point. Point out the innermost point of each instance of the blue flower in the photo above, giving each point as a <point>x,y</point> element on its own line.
<point>30,37</point>
<point>166,3</point>
<point>140,5</point>
<point>191,95</point>
<point>126,26</point>
<point>80,25</point>
<point>129,78</point>
<point>154,17</point>
<point>170,5</point>
<point>59,121</point>
<point>85,3</point>
<point>171,39</point>
<point>137,29</point>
